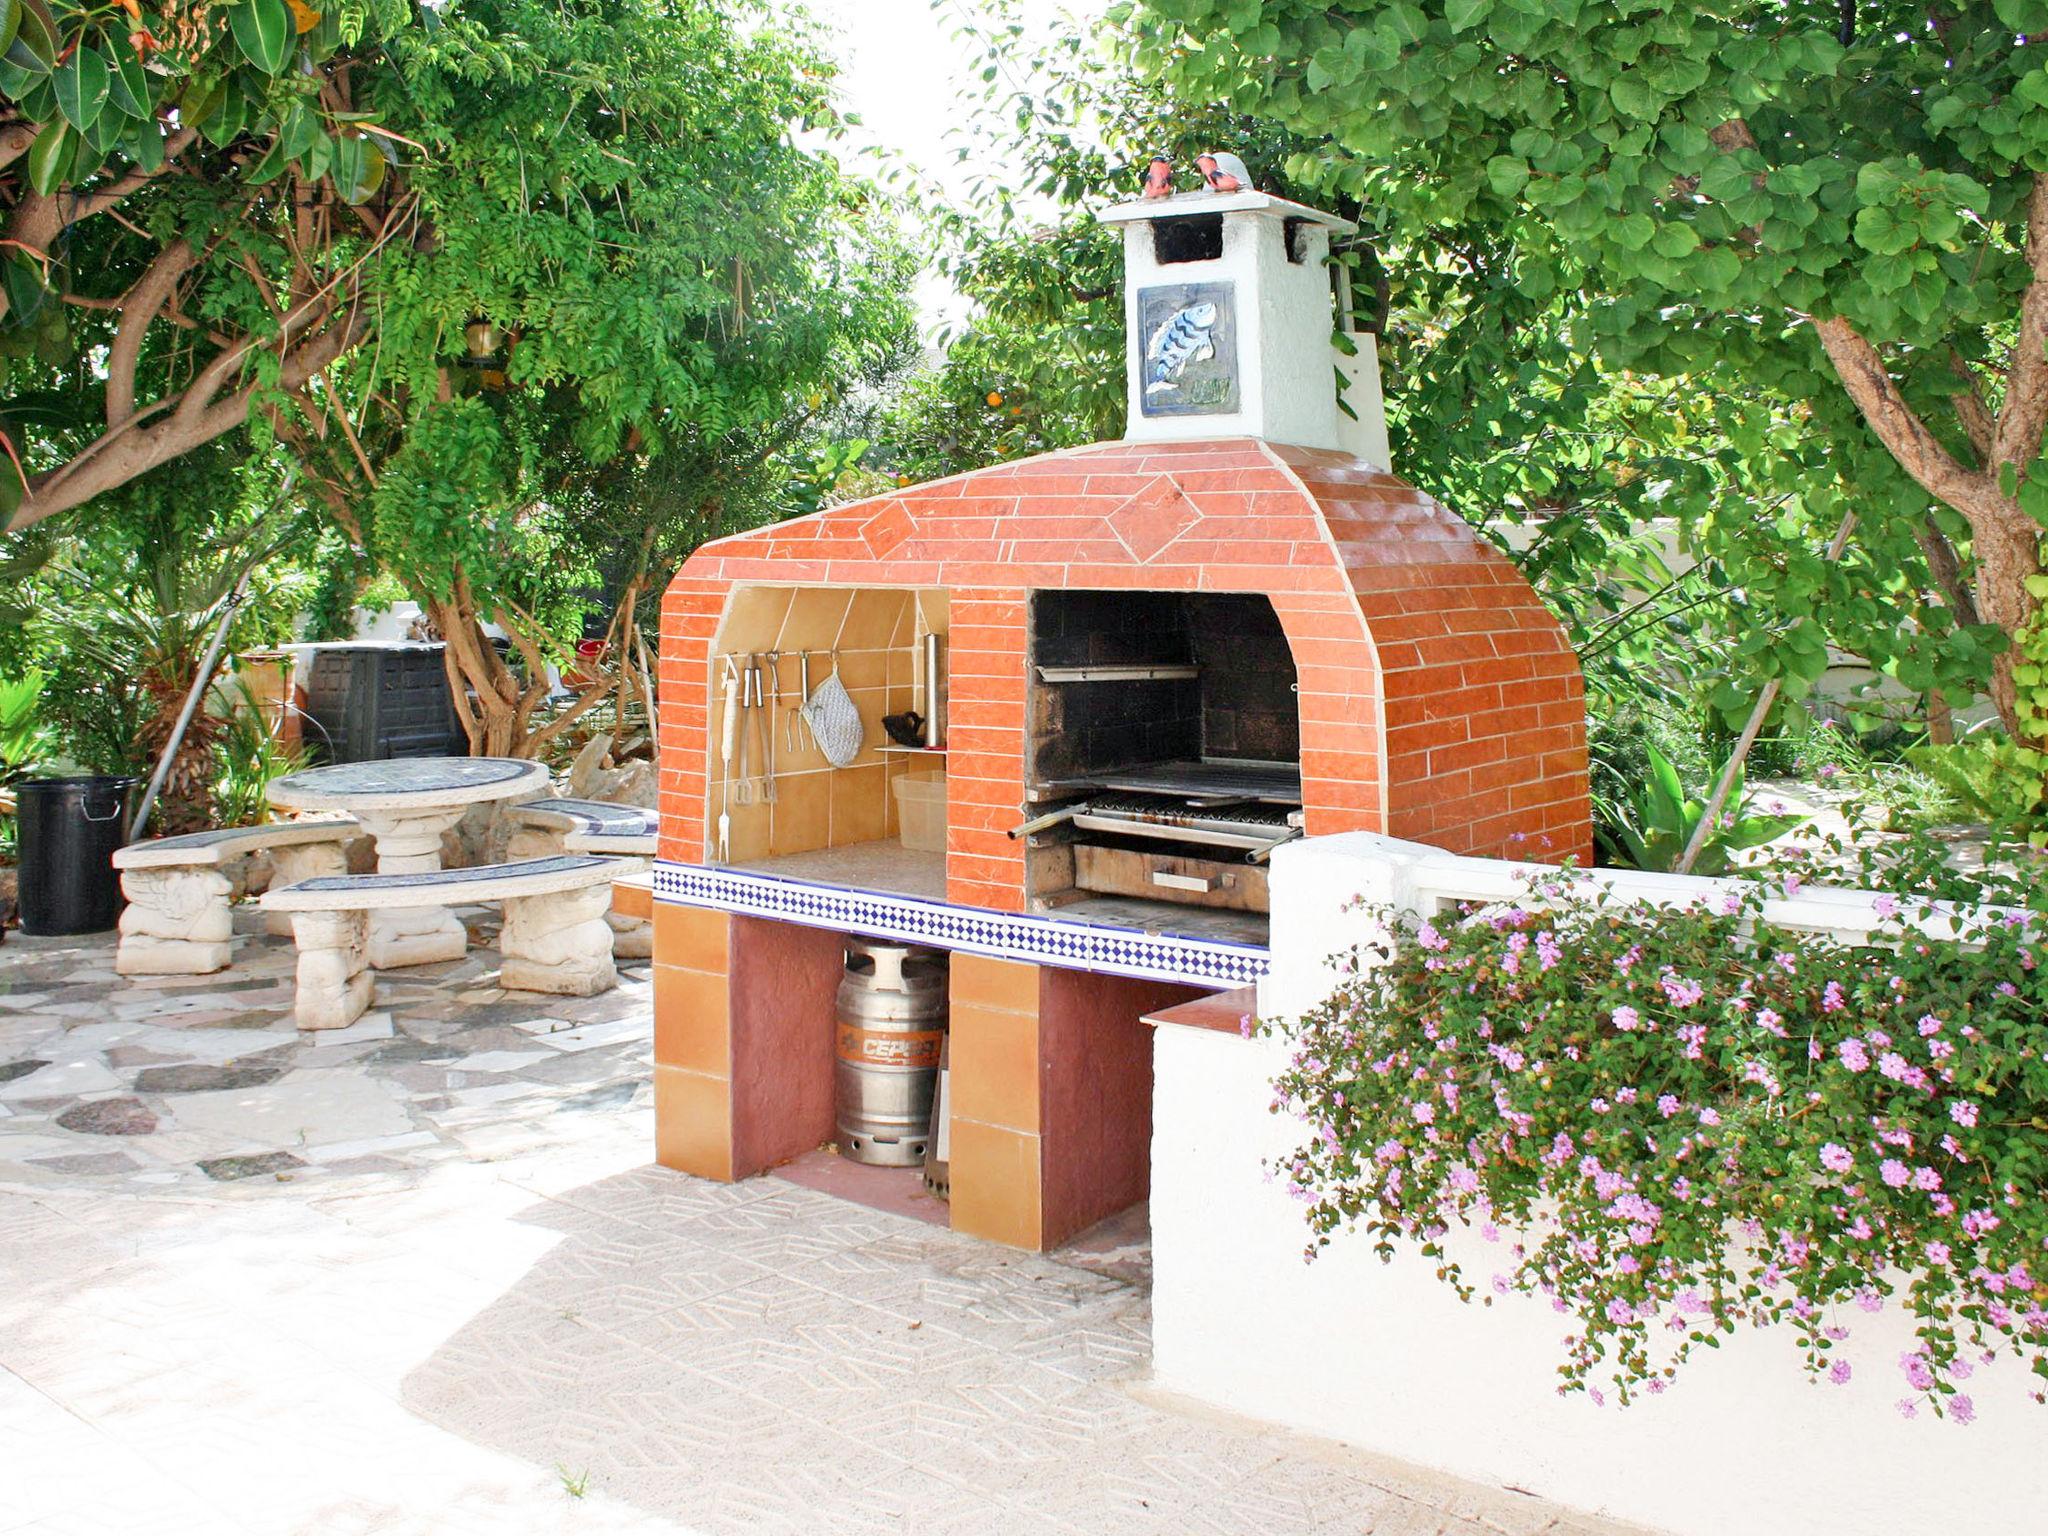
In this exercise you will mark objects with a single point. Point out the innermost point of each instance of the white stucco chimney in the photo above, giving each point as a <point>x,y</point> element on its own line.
<point>1229,311</point>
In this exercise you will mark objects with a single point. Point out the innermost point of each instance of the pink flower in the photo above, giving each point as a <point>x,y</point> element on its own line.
<point>1854,1057</point>
<point>1831,998</point>
<point>1837,1158</point>
<point>1961,1409</point>
<point>1667,1104</point>
<point>1626,1017</point>
<point>1424,1113</point>
<point>1929,1025</point>
<point>1710,1117</point>
<point>1937,1253</point>
<point>1908,1409</point>
<point>1895,1173</point>
<point>1839,1373</point>
<point>1886,905</point>
<point>1963,1112</point>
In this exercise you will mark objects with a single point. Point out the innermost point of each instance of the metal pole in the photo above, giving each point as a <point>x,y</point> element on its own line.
<point>199,683</point>
<point>1764,701</point>
<point>192,697</point>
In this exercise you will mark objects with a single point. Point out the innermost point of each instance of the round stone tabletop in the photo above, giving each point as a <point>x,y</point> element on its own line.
<point>408,783</point>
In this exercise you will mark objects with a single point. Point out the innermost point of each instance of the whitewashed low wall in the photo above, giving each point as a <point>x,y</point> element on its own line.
<point>1386,1357</point>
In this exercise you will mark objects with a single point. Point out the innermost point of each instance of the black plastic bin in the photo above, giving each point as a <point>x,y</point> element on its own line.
<point>371,700</point>
<point>69,830</point>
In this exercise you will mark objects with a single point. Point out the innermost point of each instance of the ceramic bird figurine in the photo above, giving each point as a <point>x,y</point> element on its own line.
<point>1224,172</point>
<point>1159,177</point>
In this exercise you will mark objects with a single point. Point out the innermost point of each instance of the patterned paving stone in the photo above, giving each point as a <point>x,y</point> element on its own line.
<point>198,1077</point>
<point>473,1292</point>
<point>226,1169</point>
<point>109,1117</point>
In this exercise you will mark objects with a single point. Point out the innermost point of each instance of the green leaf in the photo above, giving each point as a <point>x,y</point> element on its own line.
<point>1463,15</point>
<point>36,35</point>
<point>50,157</point>
<point>81,86</point>
<point>129,87</point>
<point>263,31</point>
<point>1507,175</point>
<point>1673,241</point>
<point>10,22</point>
<point>148,148</point>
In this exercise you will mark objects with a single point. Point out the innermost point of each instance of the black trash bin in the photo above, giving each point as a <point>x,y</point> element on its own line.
<point>69,829</point>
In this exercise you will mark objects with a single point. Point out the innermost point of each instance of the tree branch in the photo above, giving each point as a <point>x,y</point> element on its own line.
<point>139,309</point>
<point>2023,414</point>
<point>121,453</point>
<point>1946,568</point>
<point>15,140</point>
<point>38,219</point>
<point>1971,411</point>
<point>1919,452</point>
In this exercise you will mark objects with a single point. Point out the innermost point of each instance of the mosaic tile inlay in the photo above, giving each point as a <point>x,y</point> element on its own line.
<point>1030,938</point>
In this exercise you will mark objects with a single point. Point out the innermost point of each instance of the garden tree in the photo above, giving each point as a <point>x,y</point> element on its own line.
<point>631,288</point>
<point>189,198</point>
<point>604,201</point>
<point>1039,363</point>
<point>1498,403</point>
<point>1844,208</point>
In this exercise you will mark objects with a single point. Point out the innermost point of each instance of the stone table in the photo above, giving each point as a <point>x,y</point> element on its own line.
<point>406,804</point>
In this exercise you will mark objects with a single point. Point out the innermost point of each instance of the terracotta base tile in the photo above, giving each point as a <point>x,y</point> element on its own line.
<point>693,1123</point>
<point>692,1021</point>
<point>695,938</point>
<point>995,1066</point>
<point>996,1184</point>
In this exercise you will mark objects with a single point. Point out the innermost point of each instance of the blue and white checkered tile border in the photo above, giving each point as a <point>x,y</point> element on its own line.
<point>1005,935</point>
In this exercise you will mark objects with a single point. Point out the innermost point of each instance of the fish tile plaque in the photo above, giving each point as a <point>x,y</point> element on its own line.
<point>1189,333</point>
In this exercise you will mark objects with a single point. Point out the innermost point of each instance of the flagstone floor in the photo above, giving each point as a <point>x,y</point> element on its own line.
<point>418,1276</point>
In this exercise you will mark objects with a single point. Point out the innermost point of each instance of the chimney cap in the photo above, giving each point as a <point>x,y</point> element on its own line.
<point>1182,204</point>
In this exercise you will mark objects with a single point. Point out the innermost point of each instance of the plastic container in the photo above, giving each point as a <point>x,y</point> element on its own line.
<point>371,701</point>
<point>69,831</point>
<point>921,813</point>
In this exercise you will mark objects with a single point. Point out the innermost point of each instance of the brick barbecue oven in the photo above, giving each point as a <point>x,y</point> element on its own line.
<point>1156,659</point>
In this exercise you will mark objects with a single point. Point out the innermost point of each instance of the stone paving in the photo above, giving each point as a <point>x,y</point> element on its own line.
<point>418,1276</point>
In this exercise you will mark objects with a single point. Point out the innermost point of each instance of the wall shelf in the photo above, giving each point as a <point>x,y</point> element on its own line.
<point>922,751</point>
<point>1140,673</point>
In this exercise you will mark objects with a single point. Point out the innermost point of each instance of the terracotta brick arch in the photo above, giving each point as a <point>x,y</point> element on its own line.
<point>1439,698</point>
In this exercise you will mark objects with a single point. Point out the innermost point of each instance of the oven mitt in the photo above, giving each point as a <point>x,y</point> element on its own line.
<point>834,721</point>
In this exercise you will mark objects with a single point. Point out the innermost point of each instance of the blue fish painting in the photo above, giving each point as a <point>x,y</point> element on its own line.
<point>1183,339</point>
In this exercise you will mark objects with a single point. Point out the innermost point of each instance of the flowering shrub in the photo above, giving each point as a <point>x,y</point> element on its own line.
<point>1676,1122</point>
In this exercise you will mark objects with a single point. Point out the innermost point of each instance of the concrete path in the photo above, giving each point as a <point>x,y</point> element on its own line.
<point>425,1281</point>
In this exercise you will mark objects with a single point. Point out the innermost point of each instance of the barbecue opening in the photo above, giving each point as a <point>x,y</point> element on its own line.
<point>1164,751</point>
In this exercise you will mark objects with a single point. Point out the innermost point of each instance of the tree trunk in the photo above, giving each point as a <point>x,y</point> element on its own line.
<point>2008,551</point>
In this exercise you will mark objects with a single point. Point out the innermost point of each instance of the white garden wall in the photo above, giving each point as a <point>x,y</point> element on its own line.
<point>1387,1358</point>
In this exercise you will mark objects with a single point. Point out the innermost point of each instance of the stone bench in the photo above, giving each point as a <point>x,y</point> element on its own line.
<point>178,921</point>
<point>554,938</point>
<point>593,826</point>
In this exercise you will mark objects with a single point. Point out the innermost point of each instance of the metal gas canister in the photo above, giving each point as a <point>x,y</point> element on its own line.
<point>891,1026</point>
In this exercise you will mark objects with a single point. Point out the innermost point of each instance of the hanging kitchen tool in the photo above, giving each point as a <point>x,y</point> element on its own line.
<point>744,793</point>
<point>764,783</point>
<point>732,720</point>
<point>834,719</point>
<point>774,707</point>
<point>793,738</point>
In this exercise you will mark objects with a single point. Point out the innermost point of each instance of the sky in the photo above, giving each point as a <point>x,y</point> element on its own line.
<point>902,74</point>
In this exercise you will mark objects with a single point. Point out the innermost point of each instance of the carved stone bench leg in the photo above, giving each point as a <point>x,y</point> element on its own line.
<point>301,861</point>
<point>334,987</point>
<point>177,922</point>
<point>558,943</point>
<point>632,937</point>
